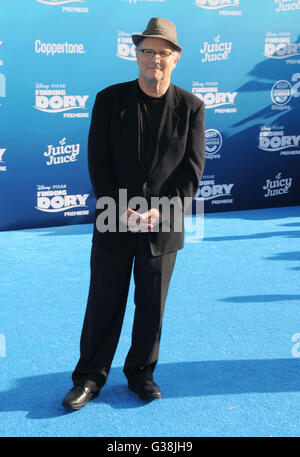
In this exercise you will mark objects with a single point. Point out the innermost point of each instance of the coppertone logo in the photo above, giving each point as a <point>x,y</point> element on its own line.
<point>273,139</point>
<point>218,50</point>
<point>220,5</point>
<point>213,98</point>
<point>278,186</point>
<point>278,46</point>
<point>213,143</point>
<point>50,49</point>
<point>209,190</point>
<point>2,163</point>
<point>53,98</point>
<point>125,46</point>
<point>64,153</point>
<point>55,199</point>
<point>286,5</point>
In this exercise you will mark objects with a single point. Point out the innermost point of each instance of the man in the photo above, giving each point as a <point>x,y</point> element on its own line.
<point>146,139</point>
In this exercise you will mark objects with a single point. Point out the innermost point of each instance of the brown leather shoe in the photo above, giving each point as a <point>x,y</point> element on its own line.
<point>79,396</point>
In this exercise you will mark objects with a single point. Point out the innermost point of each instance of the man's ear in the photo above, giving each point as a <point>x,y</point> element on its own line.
<point>176,59</point>
<point>137,57</point>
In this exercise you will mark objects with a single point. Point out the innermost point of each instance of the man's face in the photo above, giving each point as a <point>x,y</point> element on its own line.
<point>154,68</point>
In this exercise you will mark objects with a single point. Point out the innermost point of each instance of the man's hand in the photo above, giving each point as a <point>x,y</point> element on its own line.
<point>141,222</point>
<point>154,217</point>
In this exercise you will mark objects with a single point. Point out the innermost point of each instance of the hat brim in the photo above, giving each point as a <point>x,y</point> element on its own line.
<point>138,38</point>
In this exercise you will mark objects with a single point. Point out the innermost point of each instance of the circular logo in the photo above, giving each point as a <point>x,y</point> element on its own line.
<point>213,141</point>
<point>281,92</point>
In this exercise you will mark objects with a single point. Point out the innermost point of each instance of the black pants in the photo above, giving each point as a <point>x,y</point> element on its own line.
<point>109,285</point>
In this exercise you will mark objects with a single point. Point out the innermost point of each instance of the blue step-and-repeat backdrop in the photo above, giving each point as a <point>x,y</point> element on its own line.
<point>241,57</point>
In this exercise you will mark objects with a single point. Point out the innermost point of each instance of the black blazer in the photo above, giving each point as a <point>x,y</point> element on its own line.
<point>114,157</point>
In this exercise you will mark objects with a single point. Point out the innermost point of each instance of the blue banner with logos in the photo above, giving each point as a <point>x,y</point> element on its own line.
<point>241,57</point>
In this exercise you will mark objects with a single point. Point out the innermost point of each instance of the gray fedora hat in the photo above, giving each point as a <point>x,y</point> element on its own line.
<point>158,27</point>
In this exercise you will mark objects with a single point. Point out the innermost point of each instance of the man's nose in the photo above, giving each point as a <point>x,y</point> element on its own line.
<point>156,56</point>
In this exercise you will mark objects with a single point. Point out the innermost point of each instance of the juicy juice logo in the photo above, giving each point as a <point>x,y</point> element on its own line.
<point>218,50</point>
<point>64,153</point>
<point>278,186</point>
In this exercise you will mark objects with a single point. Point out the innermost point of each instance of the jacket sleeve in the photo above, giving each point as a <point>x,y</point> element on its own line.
<point>189,175</point>
<point>99,161</point>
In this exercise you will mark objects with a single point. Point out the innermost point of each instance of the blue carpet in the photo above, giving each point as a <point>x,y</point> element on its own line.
<point>228,364</point>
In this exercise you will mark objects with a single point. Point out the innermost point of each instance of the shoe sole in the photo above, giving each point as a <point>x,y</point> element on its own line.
<point>80,405</point>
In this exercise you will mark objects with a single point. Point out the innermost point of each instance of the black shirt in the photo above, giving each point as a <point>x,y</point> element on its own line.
<point>149,121</point>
